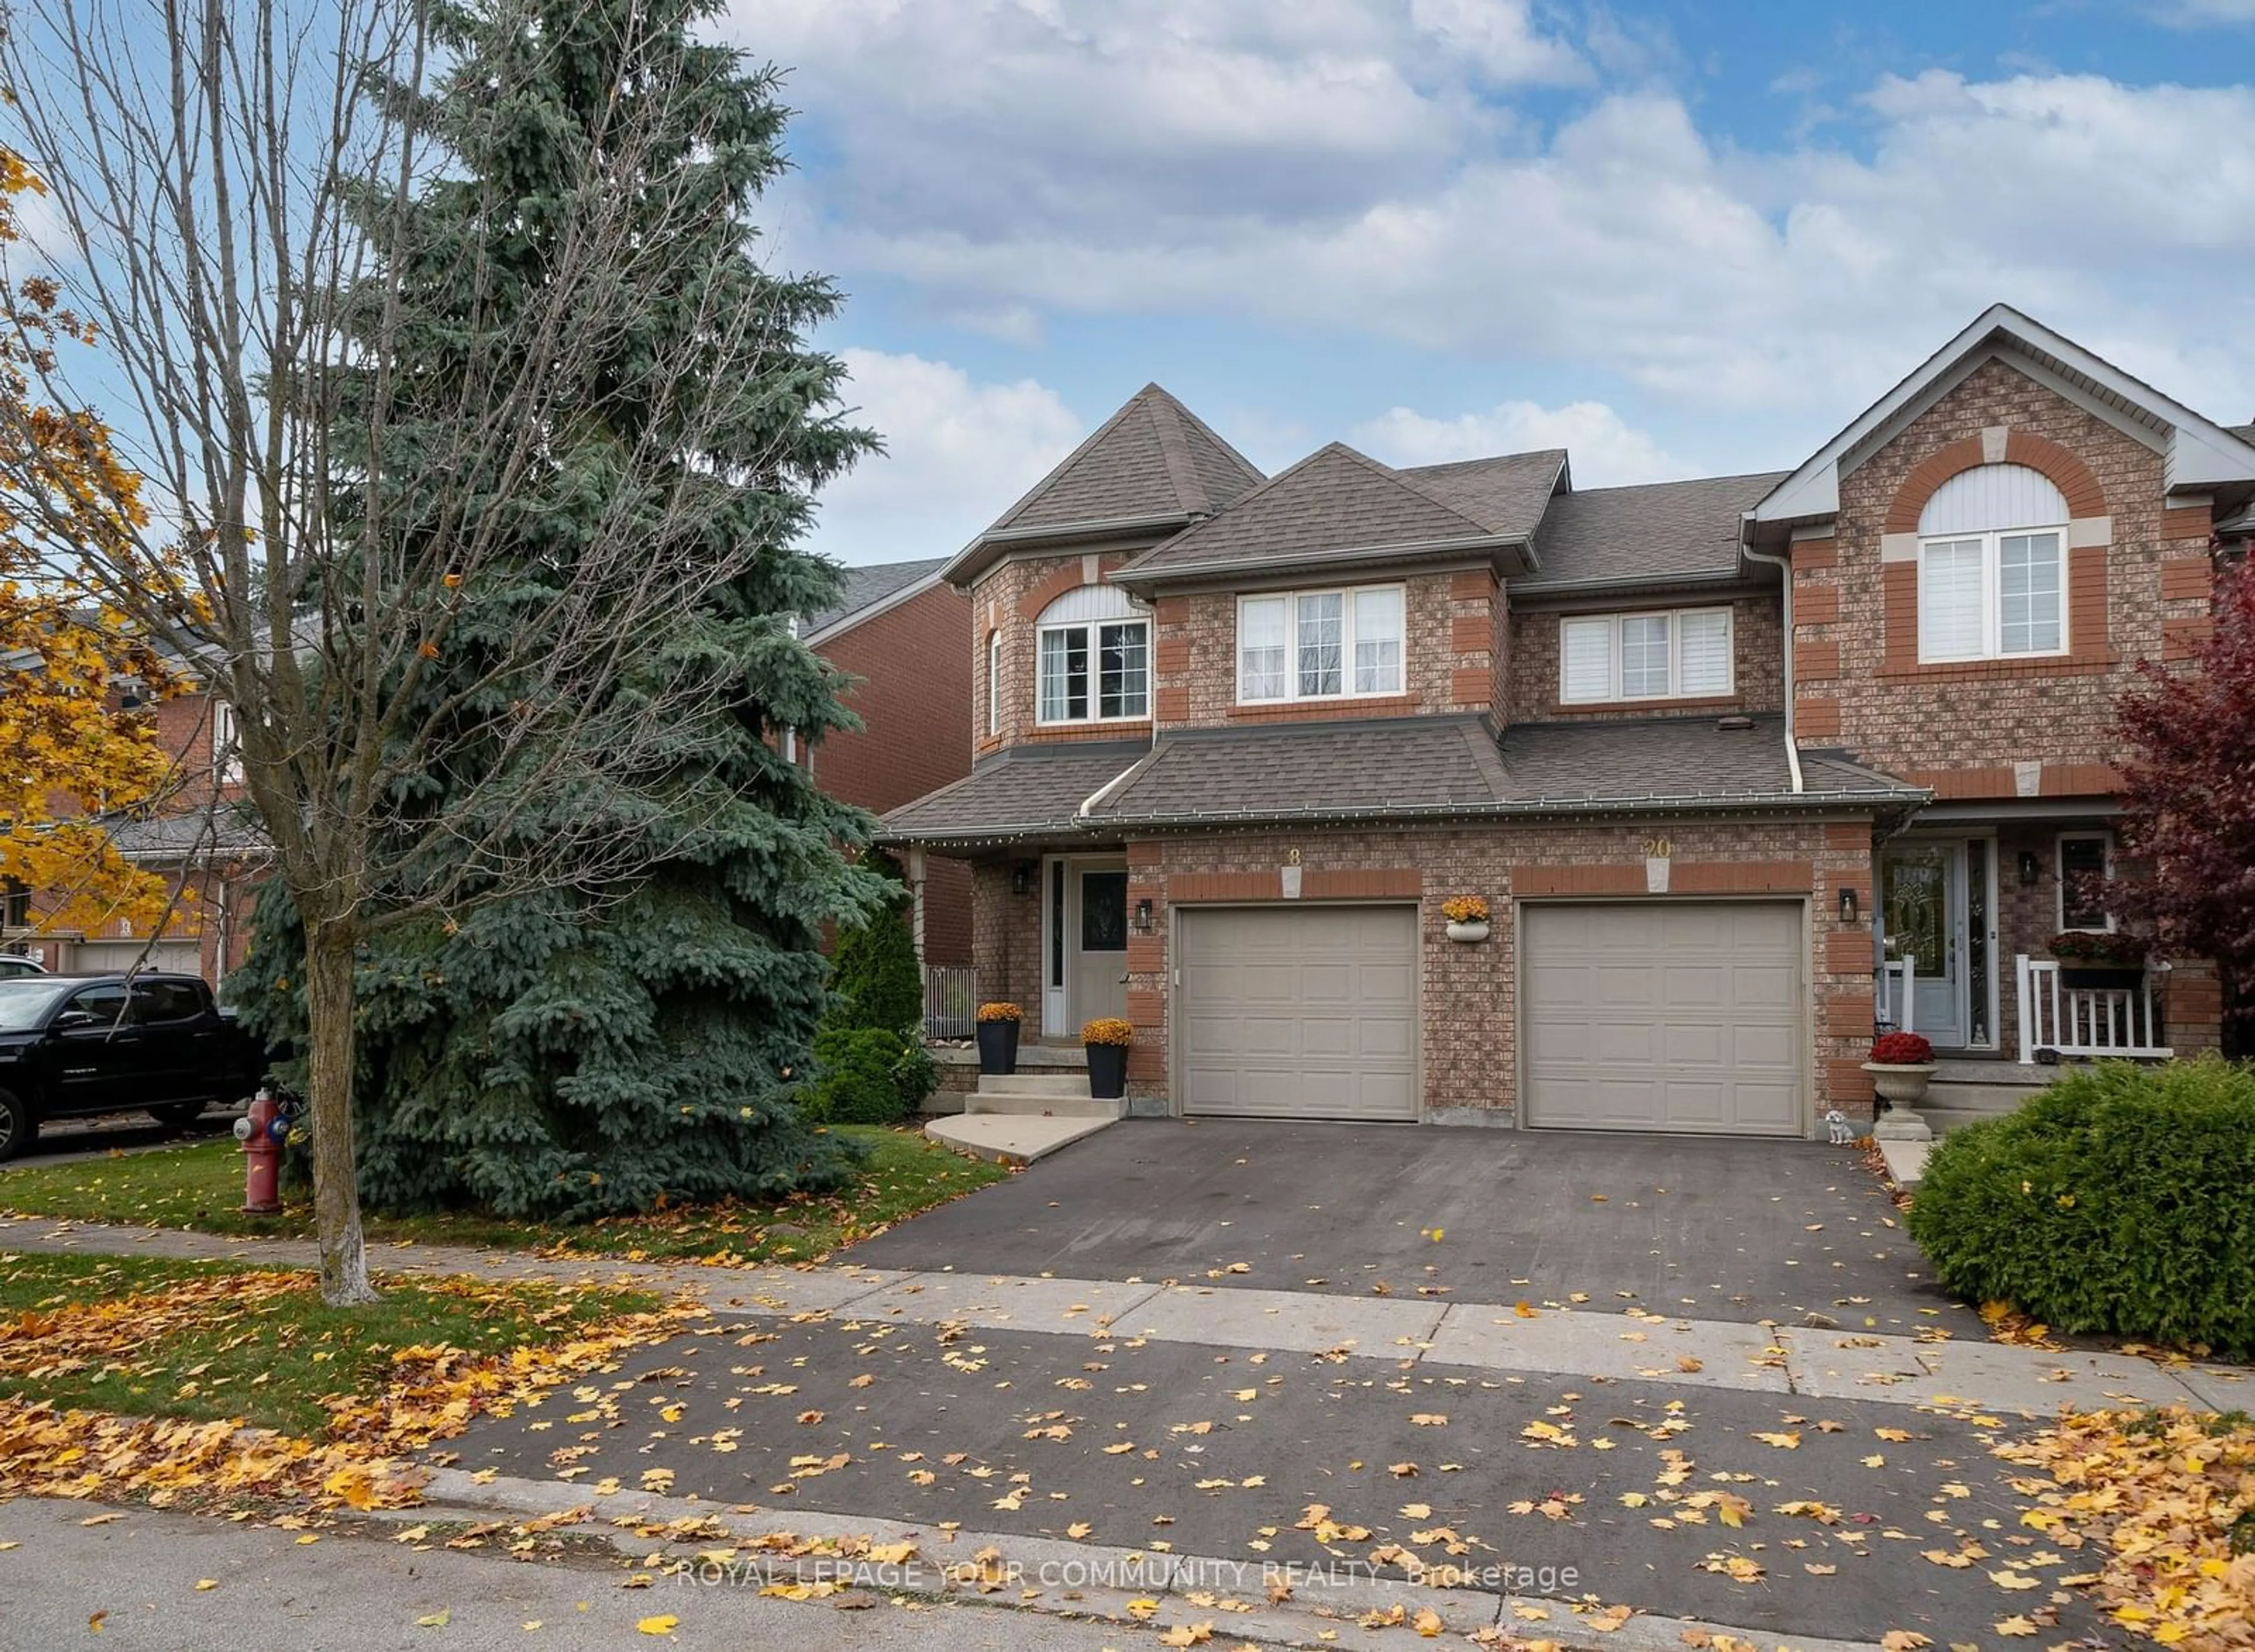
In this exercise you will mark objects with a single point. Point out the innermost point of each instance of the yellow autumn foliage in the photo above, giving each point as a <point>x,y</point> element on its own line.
<point>66,747</point>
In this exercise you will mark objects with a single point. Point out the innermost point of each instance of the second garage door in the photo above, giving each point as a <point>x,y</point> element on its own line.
<point>1299,1012</point>
<point>1658,1016</point>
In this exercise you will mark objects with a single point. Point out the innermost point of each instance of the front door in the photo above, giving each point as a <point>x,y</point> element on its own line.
<point>1085,950</point>
<point>1928,898</point>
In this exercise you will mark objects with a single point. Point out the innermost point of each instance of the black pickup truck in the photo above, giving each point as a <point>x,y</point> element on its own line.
<point>76,1046</point>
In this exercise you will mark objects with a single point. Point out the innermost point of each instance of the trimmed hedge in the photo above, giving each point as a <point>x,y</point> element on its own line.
<point>2121,1199</point>
<point>865,1075</point>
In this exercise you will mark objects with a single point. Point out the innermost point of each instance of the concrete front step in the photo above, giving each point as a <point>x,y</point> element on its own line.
<point>1060,1086</point>
<point>1010,1138</point>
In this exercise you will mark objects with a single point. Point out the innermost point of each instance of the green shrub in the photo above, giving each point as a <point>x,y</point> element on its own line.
<point>2121,1199</point>
<point>873,974</point>
<point>866,1075</point>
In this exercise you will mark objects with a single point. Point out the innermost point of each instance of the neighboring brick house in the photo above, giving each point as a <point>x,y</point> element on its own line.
<point>902,633</point>
<point>1743,766</point>
<point>200,837</point>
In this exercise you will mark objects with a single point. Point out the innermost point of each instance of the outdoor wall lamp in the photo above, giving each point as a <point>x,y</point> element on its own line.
<point>1848,903</point>
<point>2029,868</point>
<point>1021,880</point>
<point>1142,918</point>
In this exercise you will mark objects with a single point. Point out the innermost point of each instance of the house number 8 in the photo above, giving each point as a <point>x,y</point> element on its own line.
<point>1658,849</point>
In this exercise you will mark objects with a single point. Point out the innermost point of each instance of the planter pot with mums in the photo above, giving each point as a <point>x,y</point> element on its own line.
<point>998,1038</point>
<point>2102,958</point>
<point>1902,1066</point>
<point>1466,915</point>
<point>1107,1040</point>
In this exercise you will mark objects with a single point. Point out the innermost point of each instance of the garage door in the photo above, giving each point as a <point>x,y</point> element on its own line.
<point>184,957</point>
<point>1663,1017</point>
<point>1300,1012</point>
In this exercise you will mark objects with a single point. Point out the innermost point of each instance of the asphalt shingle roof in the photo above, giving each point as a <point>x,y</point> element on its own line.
<point>1334,499</point>
<point>1355,768</point>
<point>1659,530</point>
<point>1153,458</point>
<point>1509,492</point>
<point>1386,769</point>
<point>1022,790</point>
<point>862,587</point>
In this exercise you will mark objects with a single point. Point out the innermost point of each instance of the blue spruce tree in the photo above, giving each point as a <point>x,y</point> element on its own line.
<point>611,1039</point>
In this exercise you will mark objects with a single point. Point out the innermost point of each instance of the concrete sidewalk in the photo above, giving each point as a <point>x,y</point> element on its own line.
<point>1635,1344</point>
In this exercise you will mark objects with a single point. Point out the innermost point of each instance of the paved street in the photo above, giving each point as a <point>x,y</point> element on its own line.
<point>1722,1228</point>
<point>140,1572</point>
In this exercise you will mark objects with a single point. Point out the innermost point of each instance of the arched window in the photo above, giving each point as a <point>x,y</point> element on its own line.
<point>993,682</point>
<point>1094,658</point>
<point>1992,567</point>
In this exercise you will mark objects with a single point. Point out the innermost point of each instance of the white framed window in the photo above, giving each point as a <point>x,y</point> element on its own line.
<point>993,682</point>
<point>1992,567</point>
<point>227,747</point>
<point>1092,659</point>
<point>1677,654</point>
<point>2084,860</point>
<point>1342,644</point>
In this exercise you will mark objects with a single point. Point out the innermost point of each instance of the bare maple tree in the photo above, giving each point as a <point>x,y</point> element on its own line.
<point>231,177</point>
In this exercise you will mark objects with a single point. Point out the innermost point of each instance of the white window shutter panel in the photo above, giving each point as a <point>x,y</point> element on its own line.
<point>1586,653</point>
<point>1950,621</point>
<point>1703,653</point>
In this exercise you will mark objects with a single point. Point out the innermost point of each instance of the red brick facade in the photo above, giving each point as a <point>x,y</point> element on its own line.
<point>915,696</point>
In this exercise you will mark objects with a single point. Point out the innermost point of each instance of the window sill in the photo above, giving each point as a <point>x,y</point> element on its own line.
<point>1285,711</point>
<point>1701,703</point>
<point>1087,731</point>
<point>1974,670</point>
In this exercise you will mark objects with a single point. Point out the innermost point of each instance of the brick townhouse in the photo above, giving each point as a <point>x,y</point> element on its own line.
<point>1744,767</point>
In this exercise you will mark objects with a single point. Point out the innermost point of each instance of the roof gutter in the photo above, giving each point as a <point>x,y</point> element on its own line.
<point>974,557</point>
<point>1784,563</point>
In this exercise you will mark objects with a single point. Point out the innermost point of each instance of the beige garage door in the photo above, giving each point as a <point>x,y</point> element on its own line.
<point>1300,1012</point>
<point>1659,1016</point>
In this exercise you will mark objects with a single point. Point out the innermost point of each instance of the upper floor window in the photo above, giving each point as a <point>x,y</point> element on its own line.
<point>1684,654</point>
<point>1094,658</point>
<point>994,683</point>
<point>227,747</point>
<point>1992,567</point>
<point>1319,644</point>
<point>2086,861</point>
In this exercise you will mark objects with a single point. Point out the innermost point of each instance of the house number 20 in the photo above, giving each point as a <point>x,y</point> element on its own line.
<point>1658,849</point>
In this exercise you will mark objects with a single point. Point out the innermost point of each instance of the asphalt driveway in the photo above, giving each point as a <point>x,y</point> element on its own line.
<point>1707,1227</point>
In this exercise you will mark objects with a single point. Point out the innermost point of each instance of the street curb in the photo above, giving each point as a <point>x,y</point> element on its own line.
<point>1319,1613</point>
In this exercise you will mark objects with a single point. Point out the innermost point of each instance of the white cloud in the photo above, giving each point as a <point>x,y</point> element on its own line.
<point>957,452</point>
<point>1604,451</point>
<point>1357,168</point>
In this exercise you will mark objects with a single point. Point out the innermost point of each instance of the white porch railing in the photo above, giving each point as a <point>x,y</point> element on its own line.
<point>1898,977</point>
<point>951,1000</point>
<point>2085,1021</point>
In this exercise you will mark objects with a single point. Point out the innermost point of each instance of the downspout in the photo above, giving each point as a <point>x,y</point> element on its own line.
<point>1785,564</point>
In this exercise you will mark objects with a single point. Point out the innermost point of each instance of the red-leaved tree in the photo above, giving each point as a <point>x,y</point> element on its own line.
<point>2188,798</point>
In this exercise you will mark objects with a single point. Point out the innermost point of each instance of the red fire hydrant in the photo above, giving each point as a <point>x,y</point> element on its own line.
<point>261,1131</point>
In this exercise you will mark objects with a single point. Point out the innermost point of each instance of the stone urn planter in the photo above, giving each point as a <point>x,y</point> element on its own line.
<point>1902,1066</point>
<point>1467,918</point>
<point>1107,1040</point>
<point>997,1038</point>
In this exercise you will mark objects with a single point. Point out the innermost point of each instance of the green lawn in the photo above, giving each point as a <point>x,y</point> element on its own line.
<point>260,1346</point>
<point>201,1187</point>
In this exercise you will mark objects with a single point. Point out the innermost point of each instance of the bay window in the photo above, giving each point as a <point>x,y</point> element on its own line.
<point>1094,659</point>
<point>1682,654</point>
<point>1320,645</point>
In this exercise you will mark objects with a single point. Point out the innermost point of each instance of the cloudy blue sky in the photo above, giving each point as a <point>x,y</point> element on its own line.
<point>1679,238</point>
